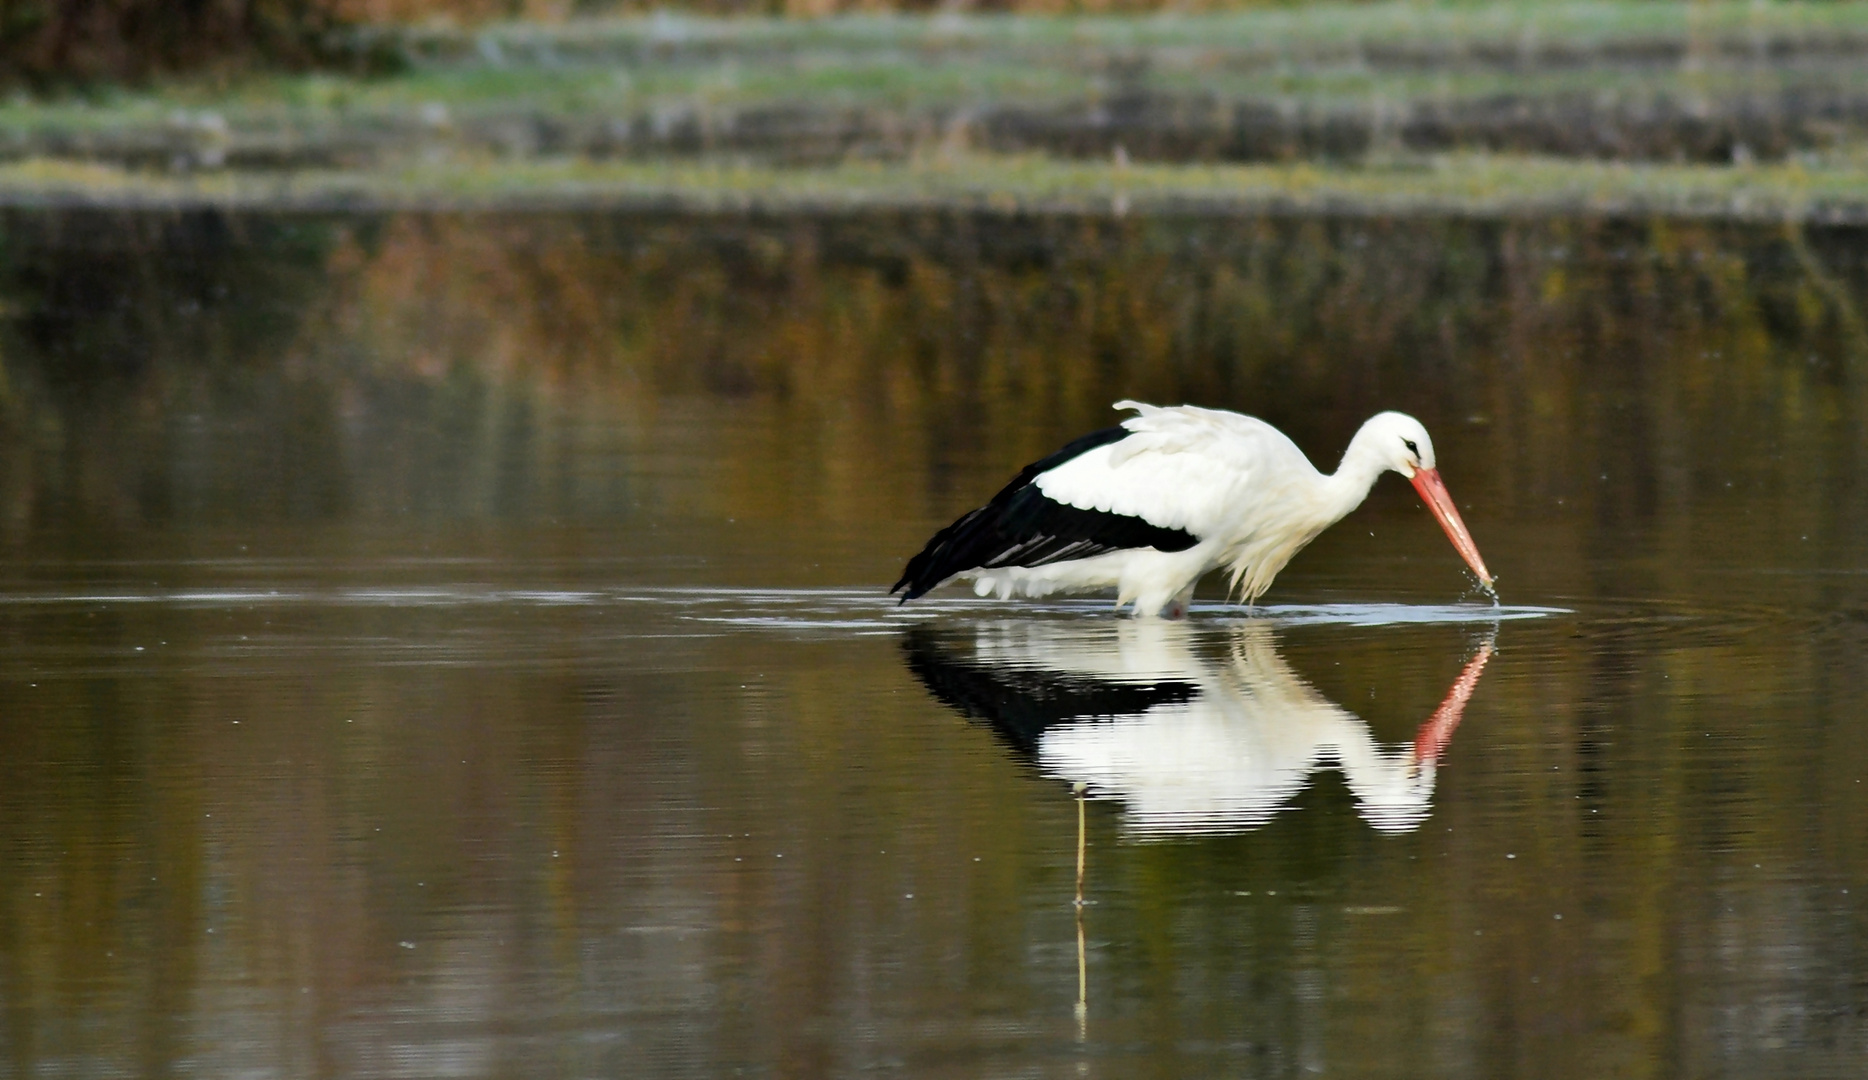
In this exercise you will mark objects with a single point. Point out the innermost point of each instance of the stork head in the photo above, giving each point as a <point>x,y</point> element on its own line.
<point>1398,441</point>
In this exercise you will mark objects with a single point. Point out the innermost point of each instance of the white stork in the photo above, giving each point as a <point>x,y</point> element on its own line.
<point>1149,507</point>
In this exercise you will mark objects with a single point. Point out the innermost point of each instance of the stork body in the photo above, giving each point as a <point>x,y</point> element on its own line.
<point>1151,506</point>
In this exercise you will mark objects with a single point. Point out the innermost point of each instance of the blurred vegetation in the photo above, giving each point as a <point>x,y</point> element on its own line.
<point>1715,83</point>
<point>53,42</point>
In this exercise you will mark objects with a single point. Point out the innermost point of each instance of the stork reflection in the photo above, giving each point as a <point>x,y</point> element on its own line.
<point>1189,743</point>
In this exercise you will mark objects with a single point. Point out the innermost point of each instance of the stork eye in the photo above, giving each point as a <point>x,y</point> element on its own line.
<point>1411,448</point>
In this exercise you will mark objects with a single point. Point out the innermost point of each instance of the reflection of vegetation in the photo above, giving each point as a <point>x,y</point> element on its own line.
<point>457,364</point>
<point>109,316</point>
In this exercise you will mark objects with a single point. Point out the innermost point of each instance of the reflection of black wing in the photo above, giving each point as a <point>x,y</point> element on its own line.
<point>1022,527</point>
<point>1020,702</point>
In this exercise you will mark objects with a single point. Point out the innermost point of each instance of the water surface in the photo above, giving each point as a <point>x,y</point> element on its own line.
<point>456,645</point>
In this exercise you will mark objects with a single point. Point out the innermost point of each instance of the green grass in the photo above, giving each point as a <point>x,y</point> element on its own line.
<point>1457,184</point>
<point>1322,53</point>
<point>415,137</point>
<point>1304,28</point>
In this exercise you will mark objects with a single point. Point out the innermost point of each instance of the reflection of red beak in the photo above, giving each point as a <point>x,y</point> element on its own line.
<point>1431,742</point>
<point>1433,492</point>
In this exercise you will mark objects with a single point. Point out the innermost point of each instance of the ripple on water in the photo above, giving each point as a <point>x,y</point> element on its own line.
<point>853,608</point>
<point>865,610</point>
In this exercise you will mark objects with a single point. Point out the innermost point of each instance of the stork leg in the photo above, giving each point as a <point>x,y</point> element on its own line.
<point>1177,607</point>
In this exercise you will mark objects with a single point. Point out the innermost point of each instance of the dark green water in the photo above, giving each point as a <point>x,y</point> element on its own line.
<point>455,646</point>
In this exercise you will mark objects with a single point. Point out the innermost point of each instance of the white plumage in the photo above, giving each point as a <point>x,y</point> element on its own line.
<point>1151,507</point>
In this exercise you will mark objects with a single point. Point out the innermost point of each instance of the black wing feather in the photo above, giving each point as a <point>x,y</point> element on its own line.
<point>1021,526</point>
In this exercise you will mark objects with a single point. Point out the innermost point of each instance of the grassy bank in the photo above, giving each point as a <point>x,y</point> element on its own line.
<point>1483,185</point>
<point>1731,108</point>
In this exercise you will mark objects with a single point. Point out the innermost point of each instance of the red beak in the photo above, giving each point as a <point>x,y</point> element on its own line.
<point>1433,492</point>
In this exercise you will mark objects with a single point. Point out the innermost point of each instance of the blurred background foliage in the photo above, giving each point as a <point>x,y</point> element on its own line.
<point>55,41</point>
<point>59,41</point>
<point>1400,87</point>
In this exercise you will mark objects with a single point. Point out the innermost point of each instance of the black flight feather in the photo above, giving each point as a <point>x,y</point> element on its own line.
<point>1021,526</point>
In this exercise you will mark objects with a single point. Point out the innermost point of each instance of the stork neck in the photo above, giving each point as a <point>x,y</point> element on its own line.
<point>1360,468</point>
